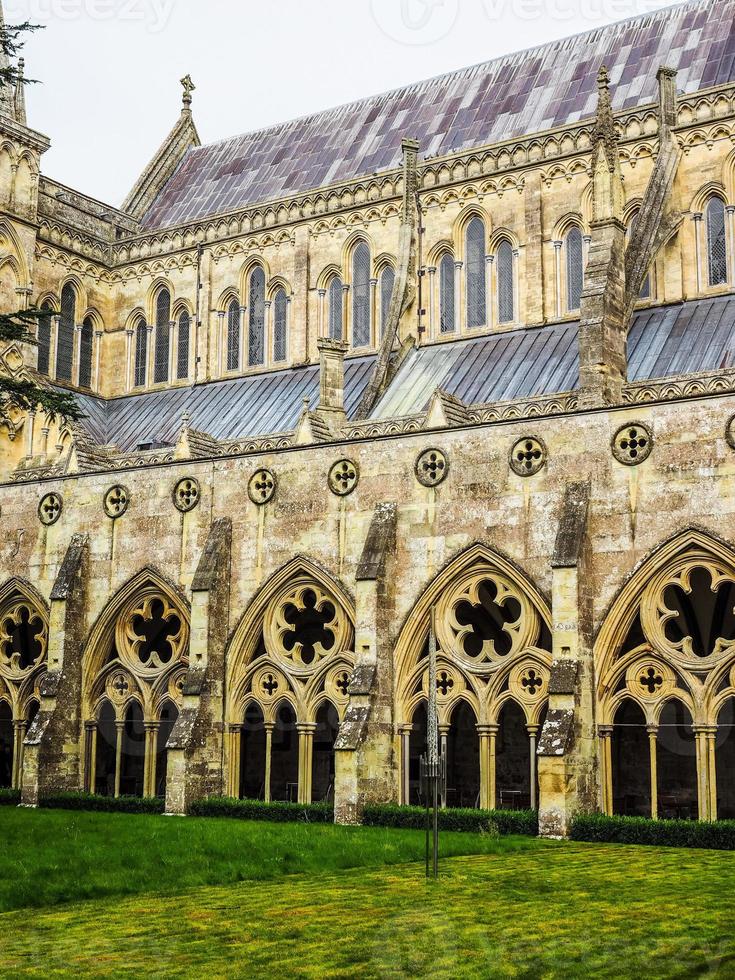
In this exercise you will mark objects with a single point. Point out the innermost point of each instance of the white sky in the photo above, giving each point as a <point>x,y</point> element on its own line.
<point>110,68</point>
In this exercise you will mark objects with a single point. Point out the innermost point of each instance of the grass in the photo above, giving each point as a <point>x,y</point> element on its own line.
<point>50,857</point>
<point>525,908</point>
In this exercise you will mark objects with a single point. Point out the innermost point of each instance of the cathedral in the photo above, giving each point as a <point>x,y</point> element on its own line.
<point>460,354</point>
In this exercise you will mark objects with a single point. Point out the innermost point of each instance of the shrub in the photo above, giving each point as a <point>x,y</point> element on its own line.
<point>101,804</point>
<point>596,828</point>
<point>503,822</point>
<point>223,806</point>
<point>9,797</point>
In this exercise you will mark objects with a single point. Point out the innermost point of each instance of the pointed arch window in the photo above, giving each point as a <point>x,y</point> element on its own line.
<point>163,319</point>
<point>182,345</point>
<point>506,284</point>
<point>256,327</point>
<point>44,340</point>
<point>86,343</point>
<point>716,242</point>
<point>65,337</point>
<point>141,353</point>
<point>336,291</point>
<point>280,326</point>
<point>446,294</point>
<point>361,296</point>
<point>233,335</point>
<point>575,269</point>
<point>476,259</point>
<point>387,282</point>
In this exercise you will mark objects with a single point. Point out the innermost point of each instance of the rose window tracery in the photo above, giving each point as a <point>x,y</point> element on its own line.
<point>484,620</point>
<point>151,635</point>
<point>701,616</point>
<point>23,638</point>
<point>309,627</point>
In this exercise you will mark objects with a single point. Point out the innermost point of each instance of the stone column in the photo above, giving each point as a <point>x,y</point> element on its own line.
<point>76,354</point>
<point>560,303</point>
<point>234,743</point>
<point>653,750</point>
<point>30,426</point>
<point>268,333</point>
<point>458,293</point>
<point>222,343</point>
<point>171,350</point>
<point>90,756</point>
<point>269,726</point>
<point>149,356</point>
<point>53,347</point>
<point>730,218</point>
<point>243,353</point>
<point>568,747</point>
<point>374,315</point>
<point>432,303</point>
<point>489,292</point>
<point>405,734</point>
<point>322,330</point>
<point>119,733</point>
<point>53,744</point>
<point>129,360</point>
<point>196,744</point>
<point>699,252</point>
<point>488,738</point>
<point>346,331</point>
<point>605,733</point>
<point>306,750</point>
<point>443,737</point>
<point>712,769</point>
<point>532,733</point>
<point>149,770</point>
<point>98,334</point>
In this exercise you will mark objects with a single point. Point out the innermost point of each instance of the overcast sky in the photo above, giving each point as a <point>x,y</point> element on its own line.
<point>110,69</point>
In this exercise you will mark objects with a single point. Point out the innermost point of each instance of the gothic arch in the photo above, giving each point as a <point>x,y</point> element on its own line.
<point>16,251</point>
<point>714,188</point>
<point>668,640</point>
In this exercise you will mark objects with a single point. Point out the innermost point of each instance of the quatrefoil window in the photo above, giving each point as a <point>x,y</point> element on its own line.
<point>116,502</point>
<point>155,634</point>
<point>703,615</point>
<point>532,682</point>
<point>432,467</point>
<point>632,444</point>
<point>22,638</point>
<point>528,456</point>
<point>343,477</point>
<point>309,627</point>
<point>186,494</point>
<point>49,510</point>
<point>262,487</point>
<point>488,620</point>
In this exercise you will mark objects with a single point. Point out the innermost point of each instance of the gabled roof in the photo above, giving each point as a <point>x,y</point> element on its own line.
<point>682,339</point>
<point>506,98</point>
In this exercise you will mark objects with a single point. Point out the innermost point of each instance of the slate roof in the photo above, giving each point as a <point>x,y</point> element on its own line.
<point>685,338</point>
<point>506,98</point>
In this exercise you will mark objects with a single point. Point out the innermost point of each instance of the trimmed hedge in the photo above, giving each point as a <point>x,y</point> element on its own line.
<point>503,822</point>
<point>9,797</point>
<point>596,828</point>
<point>223,806</point>
<point>101,804</point>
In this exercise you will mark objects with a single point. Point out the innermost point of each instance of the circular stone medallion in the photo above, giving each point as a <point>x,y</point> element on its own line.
<point>49,509</point>
<point>116,501</point>
<point>432,467</point>
<point>632,444</point>
<point>186,494</point>
<point>262,487</point>
<point>343,477</point>
<point>528,456</point>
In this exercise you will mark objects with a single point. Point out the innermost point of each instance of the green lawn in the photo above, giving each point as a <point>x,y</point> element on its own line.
<point>524,909</point>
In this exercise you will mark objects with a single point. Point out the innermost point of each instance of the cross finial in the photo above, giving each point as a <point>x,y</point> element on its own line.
<point>188,87</point>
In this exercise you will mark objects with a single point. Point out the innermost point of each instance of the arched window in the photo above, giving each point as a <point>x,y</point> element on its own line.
<point>182,347</point>
<point>506,286</point>
<point>361,296</point>
<point>141,353</point>
<point>446,294</point>
<point>233,335</point>
<point>475,256</point>
<point>280,325</point>
<point>163,319</point>
<point>575,268</point>
<point>716,245</point>
<point>65,338</point>
<point>44,340</point>
<point>86,342</point>
<point>387,281</point>
<point>256,329</point>
<point>336,291</point>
